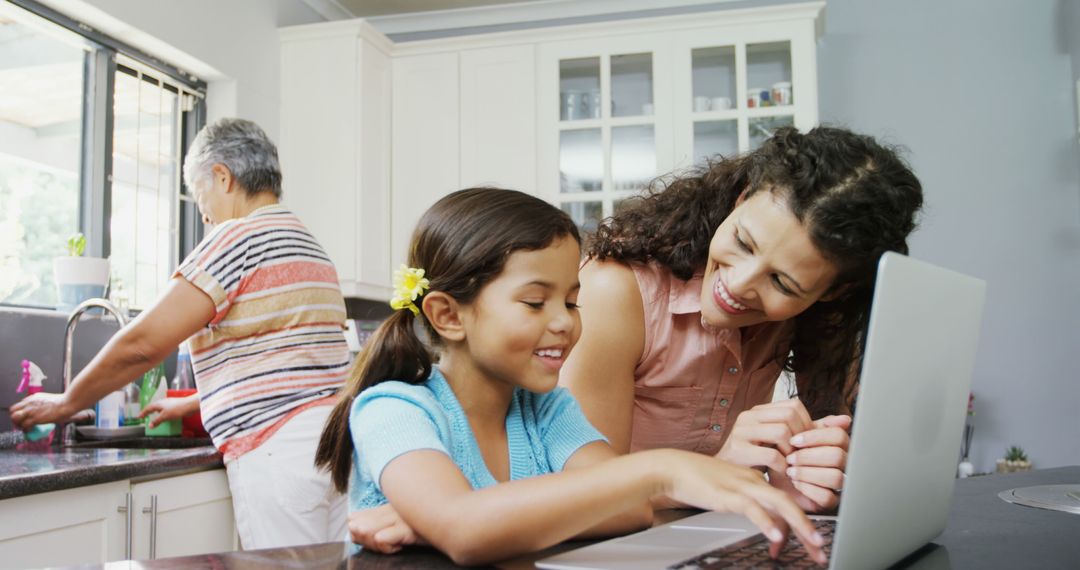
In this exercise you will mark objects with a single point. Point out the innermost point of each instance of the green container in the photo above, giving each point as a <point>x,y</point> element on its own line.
<point>164,429</point>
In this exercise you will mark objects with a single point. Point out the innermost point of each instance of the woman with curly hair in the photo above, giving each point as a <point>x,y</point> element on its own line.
<point>695,297</point>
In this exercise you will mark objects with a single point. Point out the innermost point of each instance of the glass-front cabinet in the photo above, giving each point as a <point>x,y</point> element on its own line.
<point>605,139</point>
<point>616,112</point>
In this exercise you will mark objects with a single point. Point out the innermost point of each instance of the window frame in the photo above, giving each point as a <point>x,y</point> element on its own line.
<point>95,169</point>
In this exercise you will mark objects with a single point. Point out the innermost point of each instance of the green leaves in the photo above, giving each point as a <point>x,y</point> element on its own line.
<point>76,244</point>
<point>1015,453</point>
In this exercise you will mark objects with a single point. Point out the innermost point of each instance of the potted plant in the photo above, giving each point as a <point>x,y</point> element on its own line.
<point>79,278</point>
<point>1015,460</point>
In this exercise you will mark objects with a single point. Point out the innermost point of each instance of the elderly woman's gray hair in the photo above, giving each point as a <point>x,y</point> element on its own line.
<point>243,148</point>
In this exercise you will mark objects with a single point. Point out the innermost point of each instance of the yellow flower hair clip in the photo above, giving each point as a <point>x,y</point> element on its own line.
<point>409,284</point>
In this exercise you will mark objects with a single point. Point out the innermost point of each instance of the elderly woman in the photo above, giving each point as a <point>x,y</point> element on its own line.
<point>261,304</point>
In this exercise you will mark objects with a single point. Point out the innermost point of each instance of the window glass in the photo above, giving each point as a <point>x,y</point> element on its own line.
<point>41,106</point>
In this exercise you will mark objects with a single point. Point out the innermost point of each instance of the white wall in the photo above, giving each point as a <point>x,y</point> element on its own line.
<point>233,44</point>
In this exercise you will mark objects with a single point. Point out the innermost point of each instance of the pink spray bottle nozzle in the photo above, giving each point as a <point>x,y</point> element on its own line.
<point>32,377</point>
<point>25,382</point>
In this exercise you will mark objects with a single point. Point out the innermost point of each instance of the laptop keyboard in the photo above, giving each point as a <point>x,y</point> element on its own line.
<point>753,552</point>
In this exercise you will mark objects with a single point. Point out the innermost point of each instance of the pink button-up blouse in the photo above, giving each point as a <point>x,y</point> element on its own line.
<point>692,382</point>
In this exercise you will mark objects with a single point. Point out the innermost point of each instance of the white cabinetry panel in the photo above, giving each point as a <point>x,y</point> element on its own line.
<point>498,117</point>
<point>426,126</point>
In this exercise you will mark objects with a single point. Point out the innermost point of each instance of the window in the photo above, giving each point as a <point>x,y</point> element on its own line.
<point>91,139</point>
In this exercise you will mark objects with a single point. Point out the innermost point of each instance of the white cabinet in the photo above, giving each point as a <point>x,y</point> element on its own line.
<point>498,117</point>
<point>173,516</point>
<point>426,122</point>
<point>183,516</point>
<point>638,100</point>
<point>335,146</point>
<point>74,526</point>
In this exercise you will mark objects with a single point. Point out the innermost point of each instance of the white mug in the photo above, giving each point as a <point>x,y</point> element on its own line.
<point>701,104</point>
<point>721,103</point>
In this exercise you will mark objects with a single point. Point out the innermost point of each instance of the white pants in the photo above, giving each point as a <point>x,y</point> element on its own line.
<point>279,498</point>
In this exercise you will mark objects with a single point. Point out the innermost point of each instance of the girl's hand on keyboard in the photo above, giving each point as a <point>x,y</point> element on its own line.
<point>706,483</point>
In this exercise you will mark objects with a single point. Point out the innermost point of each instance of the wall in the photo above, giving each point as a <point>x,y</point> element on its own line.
<point>233,45</point>
<point>983,97</point>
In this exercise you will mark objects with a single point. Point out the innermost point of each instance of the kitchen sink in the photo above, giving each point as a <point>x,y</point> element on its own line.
<point>142,443</point>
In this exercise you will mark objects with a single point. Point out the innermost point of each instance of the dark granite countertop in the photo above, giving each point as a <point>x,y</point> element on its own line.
<point>30,472</point>
<point>982,532</point>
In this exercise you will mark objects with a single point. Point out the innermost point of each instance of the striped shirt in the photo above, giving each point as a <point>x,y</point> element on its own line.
<point>275,345</point>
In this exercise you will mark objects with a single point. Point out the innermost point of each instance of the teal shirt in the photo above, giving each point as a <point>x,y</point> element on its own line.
<point>393,418</point>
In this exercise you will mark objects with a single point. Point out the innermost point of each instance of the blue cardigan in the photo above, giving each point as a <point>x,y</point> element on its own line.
<point>393,418</point>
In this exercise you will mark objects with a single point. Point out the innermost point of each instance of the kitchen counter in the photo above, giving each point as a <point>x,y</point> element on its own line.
<point>31,472</point>
<point>982,532</point>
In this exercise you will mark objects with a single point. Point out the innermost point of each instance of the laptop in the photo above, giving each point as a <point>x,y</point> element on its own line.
<point>905,441</point>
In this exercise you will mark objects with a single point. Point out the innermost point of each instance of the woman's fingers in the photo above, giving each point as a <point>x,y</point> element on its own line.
<point>829,456</point>
<point>834,436</point>
<point>826,499</point>
<point>842,422</point>
<point>826,477</point>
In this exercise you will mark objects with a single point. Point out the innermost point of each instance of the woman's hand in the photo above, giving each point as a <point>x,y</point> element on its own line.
<point>816,467</point>
<point>381,529</point>
<point>706,483</point>
<point>40,408</point>
<point>761,436</point>
<point>170,409</point>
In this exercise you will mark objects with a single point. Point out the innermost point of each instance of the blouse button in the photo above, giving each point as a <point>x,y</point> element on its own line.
<point>716,427</point>
<point>733,370</point>
<point>724,403</point>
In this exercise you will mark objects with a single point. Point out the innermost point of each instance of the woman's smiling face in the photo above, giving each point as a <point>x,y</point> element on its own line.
<point>762,266</point>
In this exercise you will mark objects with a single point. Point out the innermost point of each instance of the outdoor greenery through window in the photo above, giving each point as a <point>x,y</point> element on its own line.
<point>91,140</point>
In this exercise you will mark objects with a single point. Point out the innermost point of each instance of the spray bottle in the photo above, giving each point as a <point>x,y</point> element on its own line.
<point>32,377</point>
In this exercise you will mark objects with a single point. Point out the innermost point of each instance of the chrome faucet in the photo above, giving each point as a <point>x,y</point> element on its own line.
<point>67,429</point>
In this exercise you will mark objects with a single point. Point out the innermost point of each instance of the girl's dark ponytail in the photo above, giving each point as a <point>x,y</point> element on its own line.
<point>393,352</point>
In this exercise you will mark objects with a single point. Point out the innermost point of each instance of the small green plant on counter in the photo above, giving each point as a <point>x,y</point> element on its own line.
<point>1015,453</point>
<point>1015,460</point>
<point>76,244</point>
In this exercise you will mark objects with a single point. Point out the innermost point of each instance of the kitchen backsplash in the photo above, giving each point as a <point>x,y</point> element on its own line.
<point>38,335</point>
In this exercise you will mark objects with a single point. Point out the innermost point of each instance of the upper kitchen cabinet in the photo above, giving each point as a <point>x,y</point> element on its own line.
<point>463,117</point>
<point>621,103</point>
<point>335,146</point>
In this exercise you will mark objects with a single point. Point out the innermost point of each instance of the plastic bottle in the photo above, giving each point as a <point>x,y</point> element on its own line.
<point>185,375</point>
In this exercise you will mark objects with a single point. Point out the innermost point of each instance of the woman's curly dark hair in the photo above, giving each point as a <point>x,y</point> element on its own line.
<point>857,199</point>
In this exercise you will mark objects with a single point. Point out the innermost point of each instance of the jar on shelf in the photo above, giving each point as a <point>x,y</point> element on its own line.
<point>753,97</point>
<point>781,93</point>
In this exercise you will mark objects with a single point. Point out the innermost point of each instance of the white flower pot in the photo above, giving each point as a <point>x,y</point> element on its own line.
<point>79,279</point>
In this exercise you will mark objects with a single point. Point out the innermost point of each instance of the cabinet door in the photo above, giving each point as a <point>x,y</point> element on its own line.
<point>183,516</point>
<point>319,142</point>
<point>498,118</point>
<point>734,86</point>
<point>426,143</point>
<point>604,120</point>
<point>61,528</point>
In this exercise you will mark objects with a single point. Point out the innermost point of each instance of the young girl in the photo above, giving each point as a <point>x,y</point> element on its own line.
<point>479,454</point>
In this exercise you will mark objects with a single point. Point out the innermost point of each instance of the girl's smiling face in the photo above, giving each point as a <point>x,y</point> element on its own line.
<point>762,266</point>
<point>522,325</point>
